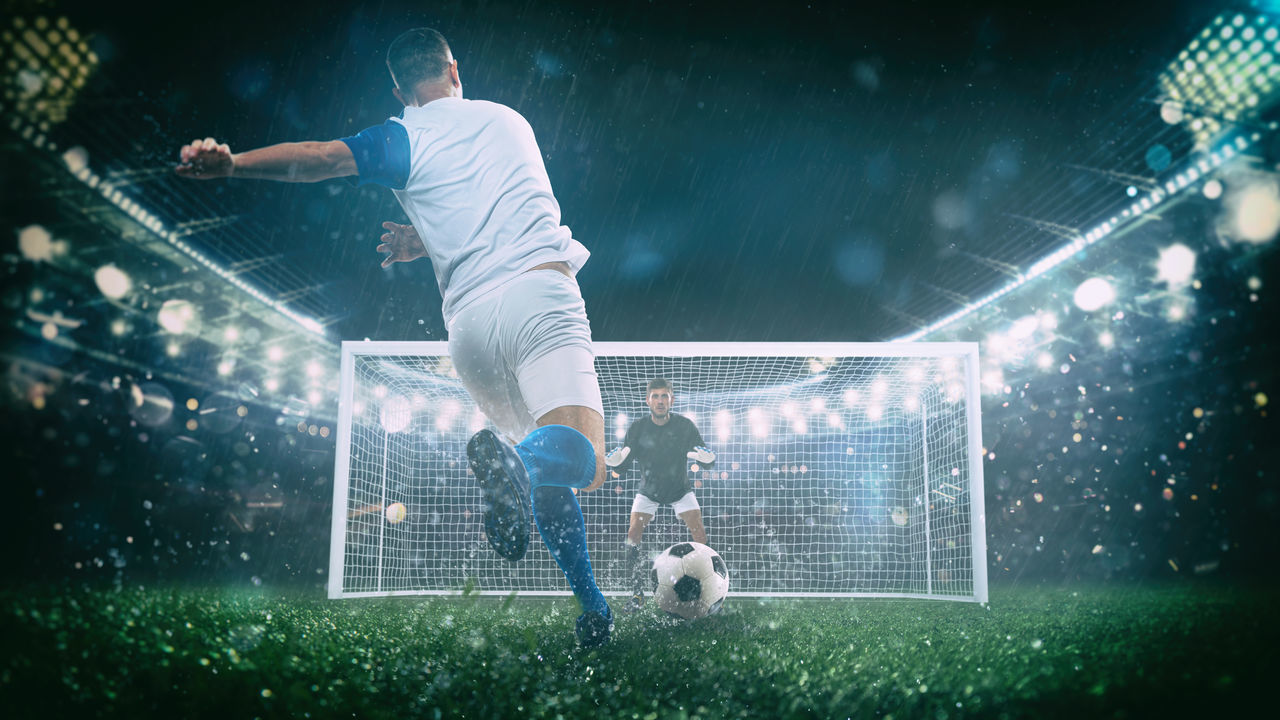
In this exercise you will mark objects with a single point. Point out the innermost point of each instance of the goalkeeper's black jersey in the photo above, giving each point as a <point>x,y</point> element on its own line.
<point>661,452</point>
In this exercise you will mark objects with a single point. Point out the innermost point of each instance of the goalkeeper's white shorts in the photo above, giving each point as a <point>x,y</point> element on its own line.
<point>644,504</point>
<point>524,349</point>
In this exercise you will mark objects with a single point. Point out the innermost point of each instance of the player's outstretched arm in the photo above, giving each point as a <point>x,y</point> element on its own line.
<point>401,243</point>
<point>287,162</point>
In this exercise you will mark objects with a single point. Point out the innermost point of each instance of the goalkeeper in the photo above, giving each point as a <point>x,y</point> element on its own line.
<point>662,444</point>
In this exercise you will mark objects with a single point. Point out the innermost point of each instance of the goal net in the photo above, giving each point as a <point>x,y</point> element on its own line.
<point>850,469</point>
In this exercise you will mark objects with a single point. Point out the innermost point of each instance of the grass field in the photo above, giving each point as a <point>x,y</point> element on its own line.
<point>156,652</point>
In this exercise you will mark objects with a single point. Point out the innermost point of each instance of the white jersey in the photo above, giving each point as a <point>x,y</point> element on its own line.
<point>476,190</point>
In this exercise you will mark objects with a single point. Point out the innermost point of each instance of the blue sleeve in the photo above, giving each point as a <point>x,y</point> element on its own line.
<point>382,155</point>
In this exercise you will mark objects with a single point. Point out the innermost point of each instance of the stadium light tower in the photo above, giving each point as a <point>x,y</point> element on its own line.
<point>47,62</point>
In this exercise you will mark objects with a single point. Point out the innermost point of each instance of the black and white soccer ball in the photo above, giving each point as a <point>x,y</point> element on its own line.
<point>692,580</point>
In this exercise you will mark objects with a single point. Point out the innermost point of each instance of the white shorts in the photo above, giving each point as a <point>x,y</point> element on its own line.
<point>643,504</point>
<point>524,349</point>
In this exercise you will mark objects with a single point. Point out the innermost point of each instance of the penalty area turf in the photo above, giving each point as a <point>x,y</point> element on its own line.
<point>1084,652</point>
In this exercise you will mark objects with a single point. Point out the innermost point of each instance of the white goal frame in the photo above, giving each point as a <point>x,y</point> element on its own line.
<point>966,353</point>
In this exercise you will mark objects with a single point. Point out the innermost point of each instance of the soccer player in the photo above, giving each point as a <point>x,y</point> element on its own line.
<point>470,177</point>
<point>662,444</point>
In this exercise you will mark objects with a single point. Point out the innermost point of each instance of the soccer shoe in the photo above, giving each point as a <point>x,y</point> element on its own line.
<point>635,604</point>
<point>504,484</point>
<point>593,629</point>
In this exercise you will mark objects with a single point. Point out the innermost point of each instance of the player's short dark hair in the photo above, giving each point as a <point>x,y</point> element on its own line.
<point>659,384</point>
<point>418,54</point>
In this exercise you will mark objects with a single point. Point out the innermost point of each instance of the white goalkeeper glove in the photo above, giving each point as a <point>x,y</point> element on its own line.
<point>701,455</point>
<point>617,456</point>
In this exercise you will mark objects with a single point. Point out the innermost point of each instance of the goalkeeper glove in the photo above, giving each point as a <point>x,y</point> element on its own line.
<point>617,456</point>
<point>701,455</point>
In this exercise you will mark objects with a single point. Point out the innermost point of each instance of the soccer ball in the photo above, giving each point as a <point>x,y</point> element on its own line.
<point>691,580</point>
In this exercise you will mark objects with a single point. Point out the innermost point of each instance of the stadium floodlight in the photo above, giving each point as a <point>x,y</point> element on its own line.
<point>797,508</point>
<point>1228,73</point>
<point>47,63</point>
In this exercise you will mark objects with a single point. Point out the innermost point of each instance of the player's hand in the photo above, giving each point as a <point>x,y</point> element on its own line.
<point>617,456</point>
<point>701,455</point>
<point>400,243</point>
<point>205,160</point>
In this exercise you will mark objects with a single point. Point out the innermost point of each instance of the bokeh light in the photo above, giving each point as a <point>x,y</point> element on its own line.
<point>1256,212</point>
<point>1094,294</point>
<point>112,282</point>
<point>396,414</point>
<point>1176,265</point>
<point>178,317</point>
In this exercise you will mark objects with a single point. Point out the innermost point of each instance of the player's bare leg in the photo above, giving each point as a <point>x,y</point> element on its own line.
<point>693,519</point>
<point>588,422</point>
<point>635,533</point>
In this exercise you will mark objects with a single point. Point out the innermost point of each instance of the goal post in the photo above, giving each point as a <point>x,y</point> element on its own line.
<point>843,470</point>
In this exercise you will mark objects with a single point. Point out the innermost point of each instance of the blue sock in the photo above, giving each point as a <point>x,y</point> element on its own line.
<point>558,455</point>
<point>558,458</point>
<point>559,519</point>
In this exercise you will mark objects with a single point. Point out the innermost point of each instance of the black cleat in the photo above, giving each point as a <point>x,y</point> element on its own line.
<point>504,484</point>
<point>593,629</point>
<point>635,604</point>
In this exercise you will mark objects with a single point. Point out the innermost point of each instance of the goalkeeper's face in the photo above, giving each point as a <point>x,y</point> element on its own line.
<point>659,402</point>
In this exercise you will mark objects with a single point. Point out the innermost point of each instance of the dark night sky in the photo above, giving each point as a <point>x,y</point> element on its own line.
<point>714,157</point>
